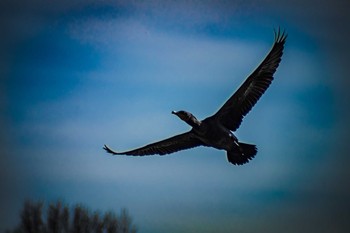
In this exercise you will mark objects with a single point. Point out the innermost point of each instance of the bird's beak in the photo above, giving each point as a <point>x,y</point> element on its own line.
<point>173,112</point>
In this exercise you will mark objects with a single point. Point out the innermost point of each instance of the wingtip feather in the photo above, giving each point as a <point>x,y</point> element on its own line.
<point>280,36</point>
<point>109,150</point>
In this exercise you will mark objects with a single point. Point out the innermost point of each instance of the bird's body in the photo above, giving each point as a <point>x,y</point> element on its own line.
<point>213,134</point>
<point>217,130</point>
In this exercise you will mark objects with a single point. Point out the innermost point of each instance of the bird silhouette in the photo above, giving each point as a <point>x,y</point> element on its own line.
<point>217,130</point>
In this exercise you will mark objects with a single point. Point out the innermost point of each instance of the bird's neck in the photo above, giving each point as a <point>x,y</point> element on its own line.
<point>192,121</point>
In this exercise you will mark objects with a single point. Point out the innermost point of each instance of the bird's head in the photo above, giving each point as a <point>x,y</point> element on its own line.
<point>187,117</point>
<point>183,115</point>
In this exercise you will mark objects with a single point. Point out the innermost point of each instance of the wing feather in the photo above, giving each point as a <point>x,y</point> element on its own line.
<point>176,143</point>
<point>242,101</point>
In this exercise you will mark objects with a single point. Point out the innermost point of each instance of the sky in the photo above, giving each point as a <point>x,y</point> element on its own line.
<point>78,75</point>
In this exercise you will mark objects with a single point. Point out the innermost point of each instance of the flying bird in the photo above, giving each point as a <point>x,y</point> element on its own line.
<point>217,130</point>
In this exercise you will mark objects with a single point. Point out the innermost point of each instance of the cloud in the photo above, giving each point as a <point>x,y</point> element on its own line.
<point>160,56</point>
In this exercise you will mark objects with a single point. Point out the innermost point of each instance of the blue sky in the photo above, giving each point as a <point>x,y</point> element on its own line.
<point>78,75</point>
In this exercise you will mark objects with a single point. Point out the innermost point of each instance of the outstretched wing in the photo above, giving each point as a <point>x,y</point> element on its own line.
<point>241,102</point>
<point>179,142</point>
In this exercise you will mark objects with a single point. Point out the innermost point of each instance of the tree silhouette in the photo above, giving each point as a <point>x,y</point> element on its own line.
<point>31,217</point>
<point>60,218</point>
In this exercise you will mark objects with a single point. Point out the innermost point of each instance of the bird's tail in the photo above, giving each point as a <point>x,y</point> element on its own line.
<point>242,154</point>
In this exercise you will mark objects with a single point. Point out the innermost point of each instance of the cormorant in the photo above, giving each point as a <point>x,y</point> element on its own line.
<point>216,130</point>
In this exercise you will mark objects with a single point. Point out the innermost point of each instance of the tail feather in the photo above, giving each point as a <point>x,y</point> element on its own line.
<point>243,154</point>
